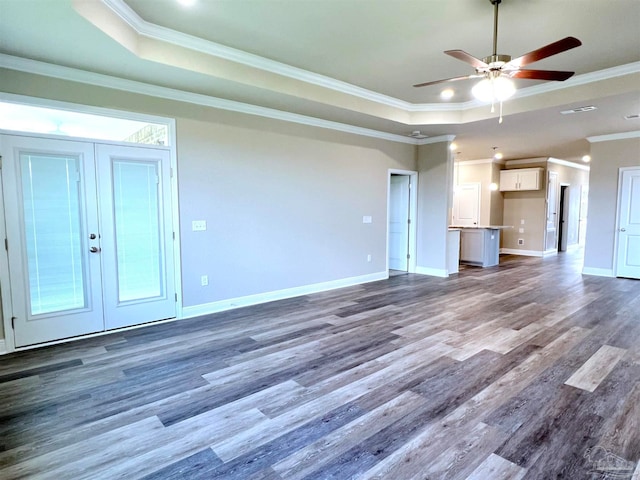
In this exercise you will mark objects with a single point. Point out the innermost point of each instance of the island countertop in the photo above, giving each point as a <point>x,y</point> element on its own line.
<point>492,227</point>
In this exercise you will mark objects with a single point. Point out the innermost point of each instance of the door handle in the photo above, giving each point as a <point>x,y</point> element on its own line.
<point>623,229</point>
<point>94,249</point>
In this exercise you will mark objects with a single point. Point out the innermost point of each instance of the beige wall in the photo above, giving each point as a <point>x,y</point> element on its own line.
<point>435,190</point>
<point>283,202</point>
<point>476,173</point>
<point>606,160</point>
<point>491,202</point>
<point>530,206</point>
<point>575,179</point>
<point>496,211</point>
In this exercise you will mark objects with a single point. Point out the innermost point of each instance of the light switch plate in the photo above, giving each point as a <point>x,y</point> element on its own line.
<point>367,219</point>
<point>199,225</point>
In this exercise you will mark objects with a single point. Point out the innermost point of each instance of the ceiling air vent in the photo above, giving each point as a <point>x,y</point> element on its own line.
<point>588,108</point>
<point>633,116</point>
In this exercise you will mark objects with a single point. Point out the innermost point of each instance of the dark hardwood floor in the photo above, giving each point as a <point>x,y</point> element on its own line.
<point>527,370</point>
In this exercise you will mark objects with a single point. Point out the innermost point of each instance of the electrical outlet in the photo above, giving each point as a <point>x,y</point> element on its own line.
<point>521,241</point>
<point>199,225</point>
<point>204,280</point>
<point>521,230</point>
<point>369,258</point>
<point>522,221</point>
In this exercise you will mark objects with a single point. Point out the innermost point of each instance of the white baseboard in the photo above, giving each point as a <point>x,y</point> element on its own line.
<point>434,272</point>
<point>231,303</point>
<point>527,253</point>
<point>3,347</point>
<point>598,272</point>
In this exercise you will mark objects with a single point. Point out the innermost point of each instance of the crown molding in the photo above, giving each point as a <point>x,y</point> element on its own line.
<point>106,81</point>
<point>480,161</point>
<point>614,136</point>
<point>157,32</point>
<point>526,161</point>
<point>559,161</point>
<point>438,139</point>
<point>577,80</point>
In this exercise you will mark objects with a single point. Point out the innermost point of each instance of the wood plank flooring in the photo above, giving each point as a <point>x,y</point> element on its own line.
<point>527,370</point>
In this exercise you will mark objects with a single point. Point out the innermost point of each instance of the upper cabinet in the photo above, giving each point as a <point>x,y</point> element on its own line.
<point>520,179</point>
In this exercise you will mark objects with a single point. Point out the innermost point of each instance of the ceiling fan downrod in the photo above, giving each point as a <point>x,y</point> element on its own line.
<point>495,4</point>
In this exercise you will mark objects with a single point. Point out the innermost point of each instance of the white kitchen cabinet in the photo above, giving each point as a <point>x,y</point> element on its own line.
<point>520,179</point>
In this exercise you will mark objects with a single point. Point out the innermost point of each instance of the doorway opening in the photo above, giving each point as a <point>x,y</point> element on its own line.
<point>563,227</point>
<point>401,208</point>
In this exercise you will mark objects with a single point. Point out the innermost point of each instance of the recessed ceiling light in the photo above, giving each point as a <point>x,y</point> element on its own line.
<point>586,158</point>
<point>447,94</point>
<point>187,3</point>
<point>453,146</point>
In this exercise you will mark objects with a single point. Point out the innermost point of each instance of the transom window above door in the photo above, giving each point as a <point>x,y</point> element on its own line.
<point>19,117</point>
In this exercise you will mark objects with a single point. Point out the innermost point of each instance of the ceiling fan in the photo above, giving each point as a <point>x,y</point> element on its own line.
<point>498,69</point>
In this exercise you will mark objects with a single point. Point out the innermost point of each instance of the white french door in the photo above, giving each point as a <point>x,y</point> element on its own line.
<point>89,248</point>
<point>137,235</point>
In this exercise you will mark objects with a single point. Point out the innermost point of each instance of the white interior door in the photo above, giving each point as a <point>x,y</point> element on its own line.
<point>137,236</point>
<point>399,189</point>
<point>466,204</point>
<point>551,237</point>
<point>628,245</point>
<point>51,212</point>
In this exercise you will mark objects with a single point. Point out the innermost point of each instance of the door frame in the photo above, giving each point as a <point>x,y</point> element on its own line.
<point>5,282</point>
<point>616,238</point>
<point>556,222</point>
<point>413,205</point>
<point>6,344</point>
<point>564,205</point>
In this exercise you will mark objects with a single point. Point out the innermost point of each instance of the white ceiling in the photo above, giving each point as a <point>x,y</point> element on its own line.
<point>354,61</point>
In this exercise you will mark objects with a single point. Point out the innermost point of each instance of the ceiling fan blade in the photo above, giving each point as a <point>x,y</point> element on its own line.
<point>548,50</point>
<point>454,79</point>
<point>467,58</point>
<point>542,75</point>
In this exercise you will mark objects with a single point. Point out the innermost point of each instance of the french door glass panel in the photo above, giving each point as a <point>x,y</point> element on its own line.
<point>51,209</point>
<point>51,200</point>
<point>137,240</point>
<point>137,223</point>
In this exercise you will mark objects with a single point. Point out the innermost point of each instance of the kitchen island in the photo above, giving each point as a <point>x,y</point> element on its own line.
<point>480,245</point>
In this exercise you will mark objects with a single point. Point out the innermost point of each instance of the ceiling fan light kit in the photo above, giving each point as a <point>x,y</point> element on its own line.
<point>497,70</point>
<point>494,88</point>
